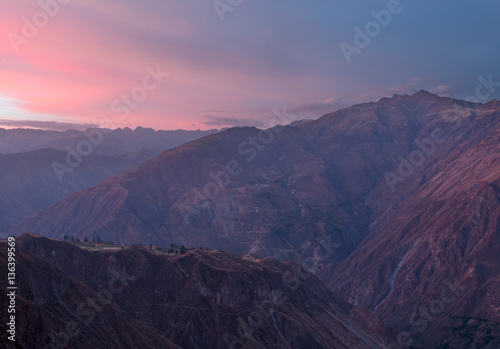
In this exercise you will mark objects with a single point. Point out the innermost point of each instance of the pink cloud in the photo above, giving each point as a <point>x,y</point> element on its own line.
<point>93,52</point>
<point>442,90</point>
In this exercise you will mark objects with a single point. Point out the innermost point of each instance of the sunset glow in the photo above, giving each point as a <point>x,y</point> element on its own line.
<point>71,62</point>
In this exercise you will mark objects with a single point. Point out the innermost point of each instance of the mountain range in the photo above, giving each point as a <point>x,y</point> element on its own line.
<point>394,205</point>
<point>115,142</point>
<point>29,183</point>
<point>39,168</point>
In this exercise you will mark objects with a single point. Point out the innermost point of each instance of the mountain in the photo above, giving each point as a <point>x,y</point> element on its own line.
<point>141,298</point>
<point>29,183</point>
<point>394,204</point>
<point>104,141</point>
<point>39,168</point>
<point>280,193</point>
<point>51,311</point>
<point>437,234</point>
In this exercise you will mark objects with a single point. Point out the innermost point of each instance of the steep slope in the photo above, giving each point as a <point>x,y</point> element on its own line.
<point>28,182</point>
<point>52,311</point>
<point>202,299</point>
<point>410,184</point>
<point>435,243</point>
<point>283,192</point>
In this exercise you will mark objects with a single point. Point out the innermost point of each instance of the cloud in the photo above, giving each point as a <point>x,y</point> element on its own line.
<point>93,52</point>
<point>329,105</point>
<point>442,90</point>
<point>315,109</point>
<point>410,87</point>
<point>221,121</point>
<point>46,125</point>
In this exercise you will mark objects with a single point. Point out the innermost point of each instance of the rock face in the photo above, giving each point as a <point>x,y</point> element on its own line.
<point>55,310</point>
<point>137,298</point>
<point>263,208</point>
<point>394,204</point>
<point>271,193</point>
<point>435,242</point>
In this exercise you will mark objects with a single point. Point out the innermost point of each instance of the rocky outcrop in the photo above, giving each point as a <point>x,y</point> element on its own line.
<point>202,299</point>
<point>393,204</point>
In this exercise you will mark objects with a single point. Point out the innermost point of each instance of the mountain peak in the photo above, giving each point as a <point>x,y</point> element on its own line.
<point>424,95</point>
<point>423,92</point>
<point>492,103</point>
<point>421,96</point>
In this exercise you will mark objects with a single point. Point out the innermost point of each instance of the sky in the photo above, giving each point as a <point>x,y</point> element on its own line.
<point>204,64</point>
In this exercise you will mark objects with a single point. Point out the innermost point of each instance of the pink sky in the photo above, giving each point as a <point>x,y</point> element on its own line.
<point>227,73</point>
<point>72,71</point>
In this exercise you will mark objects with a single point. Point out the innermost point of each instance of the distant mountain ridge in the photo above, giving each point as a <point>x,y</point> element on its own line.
<point>116,142</point>
<point>287,189</point>
<point>39,168</point>
<point>28,182</point>
<point>389,202</point>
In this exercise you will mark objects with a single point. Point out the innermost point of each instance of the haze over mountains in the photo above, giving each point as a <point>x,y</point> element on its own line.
<point>37,169</point>
<point>283,188</point>
<point>116,142</point>
<point>394,205</point>
<point>28,182</point>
